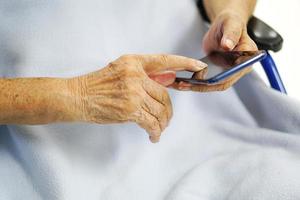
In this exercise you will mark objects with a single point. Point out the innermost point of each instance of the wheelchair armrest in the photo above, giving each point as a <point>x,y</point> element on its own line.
<point>263,35</point>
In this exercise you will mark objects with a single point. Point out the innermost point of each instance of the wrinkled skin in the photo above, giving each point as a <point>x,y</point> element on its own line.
<point>130,89</point>
<point>124,92</point>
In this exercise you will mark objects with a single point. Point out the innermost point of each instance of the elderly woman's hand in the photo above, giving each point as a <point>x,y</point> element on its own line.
<point>124,91</point>
<point>228,32</point>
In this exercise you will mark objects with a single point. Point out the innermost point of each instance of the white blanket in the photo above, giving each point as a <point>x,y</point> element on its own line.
<point>240,144</point>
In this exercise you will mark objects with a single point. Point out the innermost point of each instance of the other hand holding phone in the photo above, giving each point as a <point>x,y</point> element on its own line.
<point>223,70</point>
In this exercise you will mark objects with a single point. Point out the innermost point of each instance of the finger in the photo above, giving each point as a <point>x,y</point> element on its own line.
<point>232,32</point>
<point>164,78</point>
<point>206,44</point>
<point>197,88</point>
<point>150,124</point>
<point>162,62</point>
<point>224,85</point>
<point>160,94</point>
<point>212,39</point>
<point>246,44</point>
<point>212,87</point>
<point>183,86</point>
<point>157,110</point>
<point>201,74</point>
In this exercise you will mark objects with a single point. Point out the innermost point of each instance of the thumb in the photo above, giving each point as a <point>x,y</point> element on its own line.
<point>232,31</point>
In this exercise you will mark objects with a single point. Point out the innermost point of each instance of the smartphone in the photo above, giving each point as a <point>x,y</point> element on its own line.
<point>220,66</point>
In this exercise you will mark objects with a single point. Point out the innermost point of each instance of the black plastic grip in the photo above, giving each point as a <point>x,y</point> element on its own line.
<point>264,36</point>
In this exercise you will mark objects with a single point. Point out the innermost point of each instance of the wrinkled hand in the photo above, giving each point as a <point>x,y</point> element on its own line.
<point>227,33</point>
<point>124,92</point>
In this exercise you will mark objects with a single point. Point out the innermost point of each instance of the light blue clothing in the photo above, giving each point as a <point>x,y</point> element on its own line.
<point>239,144</point>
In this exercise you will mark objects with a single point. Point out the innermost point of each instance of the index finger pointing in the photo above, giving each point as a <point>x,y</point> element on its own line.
<point>162,62</point>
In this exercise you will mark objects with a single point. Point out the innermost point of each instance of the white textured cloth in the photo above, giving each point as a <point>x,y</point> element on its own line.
<point>240,144</point>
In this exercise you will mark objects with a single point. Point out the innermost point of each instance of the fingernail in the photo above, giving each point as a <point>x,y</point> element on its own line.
<point>154,139</point>
<point>200,65</point>
<point>229,44</point>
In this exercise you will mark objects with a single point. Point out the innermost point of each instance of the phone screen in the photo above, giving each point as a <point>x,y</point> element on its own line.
<point>220,63</point>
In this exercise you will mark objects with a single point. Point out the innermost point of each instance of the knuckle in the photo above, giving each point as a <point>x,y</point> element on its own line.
<point>163,117</point>
<point>153,124</point>
<point>163,124</point>
<point>130,74</point>
<point>161,113</point>
<point>125,57</point>
<point>121,68</point>
<point>113,66</point>
<point>236,34</point>
<point>164,58</point>
<point>132,71</point>
<point>126,71</point>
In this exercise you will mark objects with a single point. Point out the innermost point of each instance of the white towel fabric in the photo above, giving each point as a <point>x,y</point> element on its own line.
<point>240,144</point>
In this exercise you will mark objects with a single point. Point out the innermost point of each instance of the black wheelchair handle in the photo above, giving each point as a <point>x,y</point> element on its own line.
<point>264,36</point>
